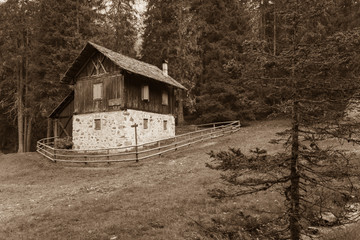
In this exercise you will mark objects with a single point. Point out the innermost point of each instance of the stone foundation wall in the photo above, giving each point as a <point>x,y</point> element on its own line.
<point>113,129</point>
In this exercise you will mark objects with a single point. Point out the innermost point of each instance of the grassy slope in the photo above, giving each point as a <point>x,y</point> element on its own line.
<point>162,198</point>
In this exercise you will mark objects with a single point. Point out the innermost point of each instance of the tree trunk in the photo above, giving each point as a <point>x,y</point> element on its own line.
<point>294,176</point>
<point>25,129</point>
<point>77,19</point>
<point>295,228</point>
<point>28,134</point>
<point>180,30</point>
<point>20,109</point>
<point>28,115</point>
<point>275,29</point>
<point>180,112</point>
<point>263,25</point>
<point>48,132</point>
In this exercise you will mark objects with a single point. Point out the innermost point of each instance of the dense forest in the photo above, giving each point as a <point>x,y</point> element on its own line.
<point>237,58</point>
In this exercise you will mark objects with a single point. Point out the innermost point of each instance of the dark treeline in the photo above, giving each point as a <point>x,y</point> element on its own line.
<point>234,56</point>
<point>39,39</point>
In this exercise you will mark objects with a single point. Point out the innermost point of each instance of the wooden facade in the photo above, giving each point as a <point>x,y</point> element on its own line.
<point>120,90</point>
<point>112,96</point>
<point>62,117</point>
<point>133,99</point>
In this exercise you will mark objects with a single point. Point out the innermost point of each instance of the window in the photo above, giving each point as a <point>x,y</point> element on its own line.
<point>97,124</point>
<point>165,124</point>
<point>146,123</point>
<point>145,93</point>
<point>165,98</point>
<point>97,91</point>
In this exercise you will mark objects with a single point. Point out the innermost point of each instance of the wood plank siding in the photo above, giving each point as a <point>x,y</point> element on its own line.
<point>112,88</point>
<point>63,120</point>
<point>120,89</point>
<point>133,84</point>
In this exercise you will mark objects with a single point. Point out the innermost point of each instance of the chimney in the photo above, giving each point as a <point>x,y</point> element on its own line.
<point>165,68</point>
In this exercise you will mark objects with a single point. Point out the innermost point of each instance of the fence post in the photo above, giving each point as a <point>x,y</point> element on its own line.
<point>136,143</point>
<point>55,154</point>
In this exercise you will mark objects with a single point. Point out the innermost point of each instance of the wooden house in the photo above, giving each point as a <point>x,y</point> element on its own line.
<point>111,93</point>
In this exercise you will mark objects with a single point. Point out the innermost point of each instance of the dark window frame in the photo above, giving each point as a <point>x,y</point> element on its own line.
<point>97,124</point>
<point>146,123</point>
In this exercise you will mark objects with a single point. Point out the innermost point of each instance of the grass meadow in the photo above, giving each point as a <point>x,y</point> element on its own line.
<point>159,198</point>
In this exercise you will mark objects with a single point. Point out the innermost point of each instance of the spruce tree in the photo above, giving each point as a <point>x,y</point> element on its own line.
<point>17,29</point>
<point>118,27</point>
<point>223,27</point>
<point>171,34</point>
<point>319,71</point>
<point>39,40</point>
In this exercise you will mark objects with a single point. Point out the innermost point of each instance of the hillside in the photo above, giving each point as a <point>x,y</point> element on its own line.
<point>161,198</point>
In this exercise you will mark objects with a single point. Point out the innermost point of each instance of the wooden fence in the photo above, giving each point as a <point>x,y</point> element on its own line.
<point>47,146</point>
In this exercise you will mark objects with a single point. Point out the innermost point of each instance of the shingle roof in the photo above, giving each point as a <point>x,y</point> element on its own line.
<point>124,62</point>
<point>62,105</point>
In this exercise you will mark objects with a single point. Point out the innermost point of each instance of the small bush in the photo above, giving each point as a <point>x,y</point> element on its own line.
<point>64,143</point>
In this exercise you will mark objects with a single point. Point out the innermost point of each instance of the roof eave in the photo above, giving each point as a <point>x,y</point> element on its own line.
<point>62,104</point>
<point>87,51</point>
<point>68,77</point>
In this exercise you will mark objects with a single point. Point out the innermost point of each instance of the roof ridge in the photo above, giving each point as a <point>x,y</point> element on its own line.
<point>99,46</point>
<point>124,62</point>
<point>160,77</point>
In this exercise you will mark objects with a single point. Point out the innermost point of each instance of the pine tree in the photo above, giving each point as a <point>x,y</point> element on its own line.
<point>171,34</point>
<point>18,30</point>
<point>320,72</point>
<point>223,26</point>
<point>118,27</point>
<point>39,41</point>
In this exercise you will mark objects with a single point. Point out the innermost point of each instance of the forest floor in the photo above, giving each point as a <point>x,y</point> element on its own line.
<point>159,198</point>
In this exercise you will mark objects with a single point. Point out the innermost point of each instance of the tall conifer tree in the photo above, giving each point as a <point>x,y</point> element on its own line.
<point>171,34</point>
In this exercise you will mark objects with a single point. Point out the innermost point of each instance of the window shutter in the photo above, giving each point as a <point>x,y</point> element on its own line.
<point>145,92</point>
<point>97,91</point>
<point>165,98</point>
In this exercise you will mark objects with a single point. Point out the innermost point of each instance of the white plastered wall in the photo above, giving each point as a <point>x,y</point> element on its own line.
<point>116,131</point>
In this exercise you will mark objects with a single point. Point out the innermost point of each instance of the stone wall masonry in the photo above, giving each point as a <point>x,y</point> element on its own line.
<point>113,129</point>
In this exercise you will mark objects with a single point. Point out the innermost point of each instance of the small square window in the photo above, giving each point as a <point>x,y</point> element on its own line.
<point>165,98</point>
<point>97,124</point>
<point>146,123</point>
<point>97,91</point>
<point>165,124</point>
<point>145,93</point>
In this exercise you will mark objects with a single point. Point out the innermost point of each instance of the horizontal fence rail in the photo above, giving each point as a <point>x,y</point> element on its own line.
<point>203,132</point>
